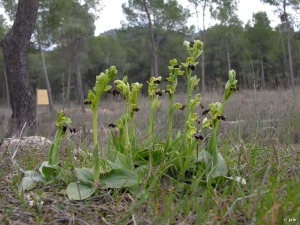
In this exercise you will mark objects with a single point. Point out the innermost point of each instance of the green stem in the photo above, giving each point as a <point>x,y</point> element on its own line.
<point>95,127</point>
<point>54,153</point>
<point>126,134</point>
<point>187,112</point>
<point>212,147</point>
<point>171,109</point>
<point>151,121</point>
<point>127,146</point>
<point>132,131</point>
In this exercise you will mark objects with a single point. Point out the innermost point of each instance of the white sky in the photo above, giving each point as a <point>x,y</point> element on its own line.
<point>112,14</point>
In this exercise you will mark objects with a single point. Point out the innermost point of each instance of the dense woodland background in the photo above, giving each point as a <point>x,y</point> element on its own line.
<point>64,46</point>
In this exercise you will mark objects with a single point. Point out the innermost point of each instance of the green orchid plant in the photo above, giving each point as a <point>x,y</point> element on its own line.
<point>127,133</point>
<point>153,93</point>
<point>106,173</point>
<point>49,170</point>
<point>92,101</point>
<point>194,49</point>
<point>216,116</point>
<point>175,71</point>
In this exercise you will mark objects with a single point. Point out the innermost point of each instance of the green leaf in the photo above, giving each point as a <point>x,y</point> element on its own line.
<point>30,180</point>
<point>27,184</point>
<point>34,175</point>
<point>203,156</point>
<point>77,191</point>
<point>85,175</point>
<point>221,169</point>
<point>119,178</point>
<point>121,160</point>
<point>48,171</point>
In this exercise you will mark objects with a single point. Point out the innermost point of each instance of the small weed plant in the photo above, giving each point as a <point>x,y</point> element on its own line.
<point>129,163</point>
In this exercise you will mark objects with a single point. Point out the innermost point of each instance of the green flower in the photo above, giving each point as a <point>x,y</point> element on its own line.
<point>62,120</point>
<point>194,48</point>
<point>153,85</point>
<point>206,123</point>
<point>230,86</point>
<point>215,110</point>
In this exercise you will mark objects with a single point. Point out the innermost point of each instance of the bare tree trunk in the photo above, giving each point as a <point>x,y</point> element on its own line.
<point>292,80</point>
<point>287,27</point>
<point>263,83</point>
<point>69,82</point>
<point>15,46</point>
<point>202,57</point>
<point>153,45</point>
<point>284,52</point>
<point>6,88</point>
<point>80,96</point>
<point>43,61</point>
<point>228,57</point>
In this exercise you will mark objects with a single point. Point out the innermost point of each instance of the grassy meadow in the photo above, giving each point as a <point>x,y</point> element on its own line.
<point>260,141</point>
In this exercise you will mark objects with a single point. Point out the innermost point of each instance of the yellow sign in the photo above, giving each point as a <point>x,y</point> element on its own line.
<point>42,97</point>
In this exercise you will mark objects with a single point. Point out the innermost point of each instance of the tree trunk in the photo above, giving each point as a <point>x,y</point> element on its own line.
<point>202,57</point>
<point>292,80</point>
<point>15,46</point>
<point>153,45</point>
<point>79,86</point>
<point>6,88</point>
<point>228,58</point>
<point>287,27</point>
<point>263,83</point>
<point>69,82</point>
<point>51,108</point>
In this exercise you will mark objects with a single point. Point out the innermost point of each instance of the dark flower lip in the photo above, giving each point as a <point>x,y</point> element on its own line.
<point>182,107</point>
<point>192,44</point>
<point>198,136</point>
<point>205,112</point>
<point>159,93</point>
<point>192,66</point>
<point>112,125</point>
<point>176,66</point>
<point>109,91</point>
<point>167,91</point>
<point>72,130</point>
<point>220,117</point>
<point>116,92</point>
<point>136,109</point>
<point>87,102</point>
<point>234,88</point>
<point>64,127</point>
<point>156,82</point>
